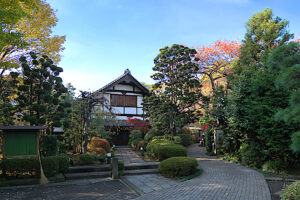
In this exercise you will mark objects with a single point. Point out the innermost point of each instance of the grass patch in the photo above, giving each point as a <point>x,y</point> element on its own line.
<point>189,177</point>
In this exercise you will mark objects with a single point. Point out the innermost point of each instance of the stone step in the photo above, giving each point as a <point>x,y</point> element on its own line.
<point>140,171</point>
<point>136,166</point>
<point>88,168</point>
<point>88,175</point>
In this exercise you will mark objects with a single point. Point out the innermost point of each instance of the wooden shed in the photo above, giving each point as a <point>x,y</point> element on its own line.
<point>20,141</point>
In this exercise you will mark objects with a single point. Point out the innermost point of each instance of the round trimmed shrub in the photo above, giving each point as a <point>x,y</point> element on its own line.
<point>178,166</point>
<point>292,192</point>
<point>99,143</point>
<point>171,150</point>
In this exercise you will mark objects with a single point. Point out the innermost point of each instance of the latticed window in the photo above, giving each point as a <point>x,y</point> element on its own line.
<point>123,100</point>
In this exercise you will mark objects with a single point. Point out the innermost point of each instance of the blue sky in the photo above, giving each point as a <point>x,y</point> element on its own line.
<point>104,37</point>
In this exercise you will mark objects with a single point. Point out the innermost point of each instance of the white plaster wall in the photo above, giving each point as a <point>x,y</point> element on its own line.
<point>107,96</point>
<point>130,110</point>
<point>117,110</point>
<point>124,87</point>
<point>139,101</point>
<point>121,117</point>
<point>140,111</point>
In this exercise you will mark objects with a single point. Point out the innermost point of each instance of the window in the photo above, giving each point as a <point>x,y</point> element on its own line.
<point>117,100</point>
<point>130,101</point>
<point>123,100</point>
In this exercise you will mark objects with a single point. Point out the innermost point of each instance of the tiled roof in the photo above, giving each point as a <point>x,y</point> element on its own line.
<point>119,79</point>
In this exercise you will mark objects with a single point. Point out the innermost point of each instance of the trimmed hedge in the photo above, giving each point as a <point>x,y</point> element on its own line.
<point>171,150</point>
<point>178,166</point>
<point>87,159</point>
<point>153,147</point>
<point>292,192</point>
<point>52,165</point>
<point>185,139</point>
<point>64,163</point>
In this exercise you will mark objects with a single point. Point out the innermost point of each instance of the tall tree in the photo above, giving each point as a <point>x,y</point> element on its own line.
<point>215,61</point>
<point>285,61</point>
<point>177,89</point>
<point>88,102</point>
<point>38,95</point>
<point>264,32</point>
<point>27,27</point>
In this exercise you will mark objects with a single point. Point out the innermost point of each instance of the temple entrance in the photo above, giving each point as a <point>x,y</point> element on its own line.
<point>121,138</point>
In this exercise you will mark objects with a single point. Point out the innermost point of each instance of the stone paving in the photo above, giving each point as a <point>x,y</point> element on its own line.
<point>127,155</point>
<point>220,180</point>
<point>89,189</point>
<point>148,182</point>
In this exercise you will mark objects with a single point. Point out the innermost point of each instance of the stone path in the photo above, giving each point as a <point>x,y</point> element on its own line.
<point>220,180</point>
<point>148,182</point>
<point>127,155</point>
<point>89,189</point>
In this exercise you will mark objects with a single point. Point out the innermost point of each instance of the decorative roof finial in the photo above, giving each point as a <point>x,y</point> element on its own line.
<point>127,71</point>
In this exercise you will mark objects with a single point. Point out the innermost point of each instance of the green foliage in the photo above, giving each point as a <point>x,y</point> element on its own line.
<point>171,150</point>
<point>209,139</point>
<point>135,137</point>
<point>285,60</point>
<point>185,139</point>
<point>176,90</point>
<point>49,145</point>
<point>50,165</point>
<point>87,159</point>
<point>38,97</point>
<point>18,167</point>
<point>275,167</point>
<point>62,147</point>
<point>264,32</point>
<point>178,166</point>
<point>153,147</point>
<point>63,162</point>
<point>189,177</point>
<point>295,146</point>
<point>292,192</point>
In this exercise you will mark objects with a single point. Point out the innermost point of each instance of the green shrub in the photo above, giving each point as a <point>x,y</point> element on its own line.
<point>121,165</point>
<point>62,147</point>
<point>252,155</point>
<point>49,145</point>
<point>87,159</point>
<point>20,166</point>
<point>209,139</point>
<point>178,166</point>
<point>134,138</point>
<point>275,166</point>
<point>135,143</point>
<point>64,163</point>
<point>152,147</point>
<point>171,150</point>
<point>185,139</point>
<point>292,192</point>
<point>50,165</point>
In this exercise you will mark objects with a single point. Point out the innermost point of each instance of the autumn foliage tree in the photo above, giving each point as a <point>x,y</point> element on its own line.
<point>138,124</point>
<point>214,62</point>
